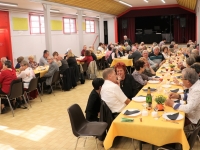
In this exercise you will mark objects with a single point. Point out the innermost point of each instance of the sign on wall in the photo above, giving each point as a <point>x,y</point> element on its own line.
<point>20,24</point>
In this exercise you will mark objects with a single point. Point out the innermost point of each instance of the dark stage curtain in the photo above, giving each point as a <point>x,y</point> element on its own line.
<point>183,34</point>
<point>129,31</point>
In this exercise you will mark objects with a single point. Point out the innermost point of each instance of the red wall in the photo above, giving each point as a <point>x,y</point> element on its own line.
<point>6,48</point>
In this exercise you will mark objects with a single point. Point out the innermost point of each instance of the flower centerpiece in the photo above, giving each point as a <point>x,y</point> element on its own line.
<point>171,67</point>
<point>160,99</point>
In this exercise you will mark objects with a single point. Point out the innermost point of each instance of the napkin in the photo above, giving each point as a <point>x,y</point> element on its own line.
<point>173,116</point>
<point>126,120</point>
<point>152,89</point>
<point>175,90</point>
<point>127,112</point>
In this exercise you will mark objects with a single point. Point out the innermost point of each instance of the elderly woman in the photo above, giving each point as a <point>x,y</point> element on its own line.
<point>6,77</point>
<point>87,59</point>
<point>166,52</point>
<point>19,60</point>
<point>148,70</point>
<point>32,63</point>
<point>151,63</point>
<point>138,73</point>
<point>190,61</point>
<point>126,81</point>
<point>191,81</point>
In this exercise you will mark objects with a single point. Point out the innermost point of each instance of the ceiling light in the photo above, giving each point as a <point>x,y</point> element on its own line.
<point>97,17</point>
<point>9,4</point>
<point>54,10</point>
<point>163,1</point>
<point>146,1</point>
<point>82,15</point>
<point>125,3</point>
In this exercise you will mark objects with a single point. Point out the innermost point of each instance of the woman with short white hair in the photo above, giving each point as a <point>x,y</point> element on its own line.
<point>32,63</point>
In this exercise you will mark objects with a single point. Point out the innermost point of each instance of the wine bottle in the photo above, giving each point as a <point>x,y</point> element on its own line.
<point>149,99</point>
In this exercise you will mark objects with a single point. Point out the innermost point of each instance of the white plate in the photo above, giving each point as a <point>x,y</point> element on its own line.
<point>153,81</point>
<point>136,114</point>
<point>139,99</point>
<point>166,86</point>
<point>179,91</point>
<point>171,113</point>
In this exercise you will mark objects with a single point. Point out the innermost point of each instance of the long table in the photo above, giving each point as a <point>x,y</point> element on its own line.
<point>151,130</point>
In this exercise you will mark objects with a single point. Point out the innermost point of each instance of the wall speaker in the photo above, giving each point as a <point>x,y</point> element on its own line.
<point>124,24</point>
<point>183,22</point>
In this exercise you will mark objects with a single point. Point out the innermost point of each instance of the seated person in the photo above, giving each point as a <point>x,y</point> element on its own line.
<point>126,81</point>
<point>87,59</point>
<point>111,93</point>
<point>166,52</point>
<point>32,63</point>
<point>47,78</point>
<point>114,54</point>
<point>57,61</point>
<point>148,70</point>
<point>134,54</point>
<point>3,59</point>
<point>94,101</point>
<point>92,53</point>
<point>83,51</point>
<point>6,77</point>
<point>138,73</point>
<point>156,56</point>
<point>108,52</point>
<point>196,66</point>
<point>151,63</point>
<point>191,81</point>
<point>43,59</point>
<point>64,64</point>
<point>19,60</point>
<point>26,73</point>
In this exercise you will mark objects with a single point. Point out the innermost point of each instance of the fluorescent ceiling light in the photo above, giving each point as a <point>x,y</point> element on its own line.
<point>9,4</point>
<point>54,10</point>
<point>146,1</point>
<point>82,15</point>
<point>163,1</point>
<point>125,3</point>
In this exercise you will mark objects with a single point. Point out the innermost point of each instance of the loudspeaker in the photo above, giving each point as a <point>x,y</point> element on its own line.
<point>183,22</point>
<point>124,24</point>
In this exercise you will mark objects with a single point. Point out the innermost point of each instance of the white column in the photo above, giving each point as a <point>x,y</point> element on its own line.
<point>101,28</point>
<point>47,24</point>
<point>80,29</point>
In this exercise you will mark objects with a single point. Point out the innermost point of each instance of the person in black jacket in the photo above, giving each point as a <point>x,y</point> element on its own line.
<point>126,81</point>
<point>127,40</point>
<point>94,101</point>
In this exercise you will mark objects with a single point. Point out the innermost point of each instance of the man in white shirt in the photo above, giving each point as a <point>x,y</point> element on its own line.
<point>191,81</point>
<point>111,93</point>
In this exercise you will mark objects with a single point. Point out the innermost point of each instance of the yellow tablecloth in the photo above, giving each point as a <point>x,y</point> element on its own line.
<point>99,56</point>
<point>128,62</point>
<point>157,132</point>
<point>41,71</point>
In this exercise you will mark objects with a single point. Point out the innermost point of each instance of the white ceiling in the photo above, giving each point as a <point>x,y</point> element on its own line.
<point>31,5</point>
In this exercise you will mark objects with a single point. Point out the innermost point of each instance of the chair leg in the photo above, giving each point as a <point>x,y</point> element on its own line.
<point>39,95</point>
<point>140,145</point>
<point>84,142</point>
<point>96,142</point>
<point>25,101</point>
<point>42,88</point>
<point>10,106</point>
<point>76,142</point>
<point>28,99</point>
<point>52,90</point>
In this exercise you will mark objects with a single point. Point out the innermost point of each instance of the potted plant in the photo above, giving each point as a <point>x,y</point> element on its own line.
<point>171,67</point>
<point>160,99</point>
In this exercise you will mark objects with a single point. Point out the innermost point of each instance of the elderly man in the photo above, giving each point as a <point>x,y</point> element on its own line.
<point>191,81</point>
<point>151,63</point>
<point>83,51</point>
<point>135,55</point>
<point>111,92</point>
<point>53,67</point>
<point>127,47</point>
<point>127,40</point>
<point>43,59</point>
<point>156,56</point>
<point>195,53</point>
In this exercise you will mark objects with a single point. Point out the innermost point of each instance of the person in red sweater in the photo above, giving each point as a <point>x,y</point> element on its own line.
<point>6,77</point>
<point>88,58</point>
<point>83,51</point>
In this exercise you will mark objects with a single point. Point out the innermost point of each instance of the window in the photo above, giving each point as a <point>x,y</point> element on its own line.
<point>37,24</point>
<point>89,26</point>
<point>69,25</point>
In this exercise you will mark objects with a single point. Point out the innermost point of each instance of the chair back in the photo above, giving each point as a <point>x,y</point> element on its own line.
<point>37,75</point>
<point>32,85</point>
<point>16,89</point>
<point>192,138</point>
<point>56,77</point>
<point>77,118</point>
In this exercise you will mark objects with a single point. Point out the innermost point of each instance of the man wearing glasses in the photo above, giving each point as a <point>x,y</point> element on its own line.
<point>191,81</point>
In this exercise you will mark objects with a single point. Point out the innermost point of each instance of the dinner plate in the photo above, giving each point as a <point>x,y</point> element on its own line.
<point>179,91</point>
<point>153,81</point>
<point>152,89</point>
<point>136,114</point>
<point>139,99</point>
<point>166,86</point>
<point>180,116</point>
<point>181,101</point>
